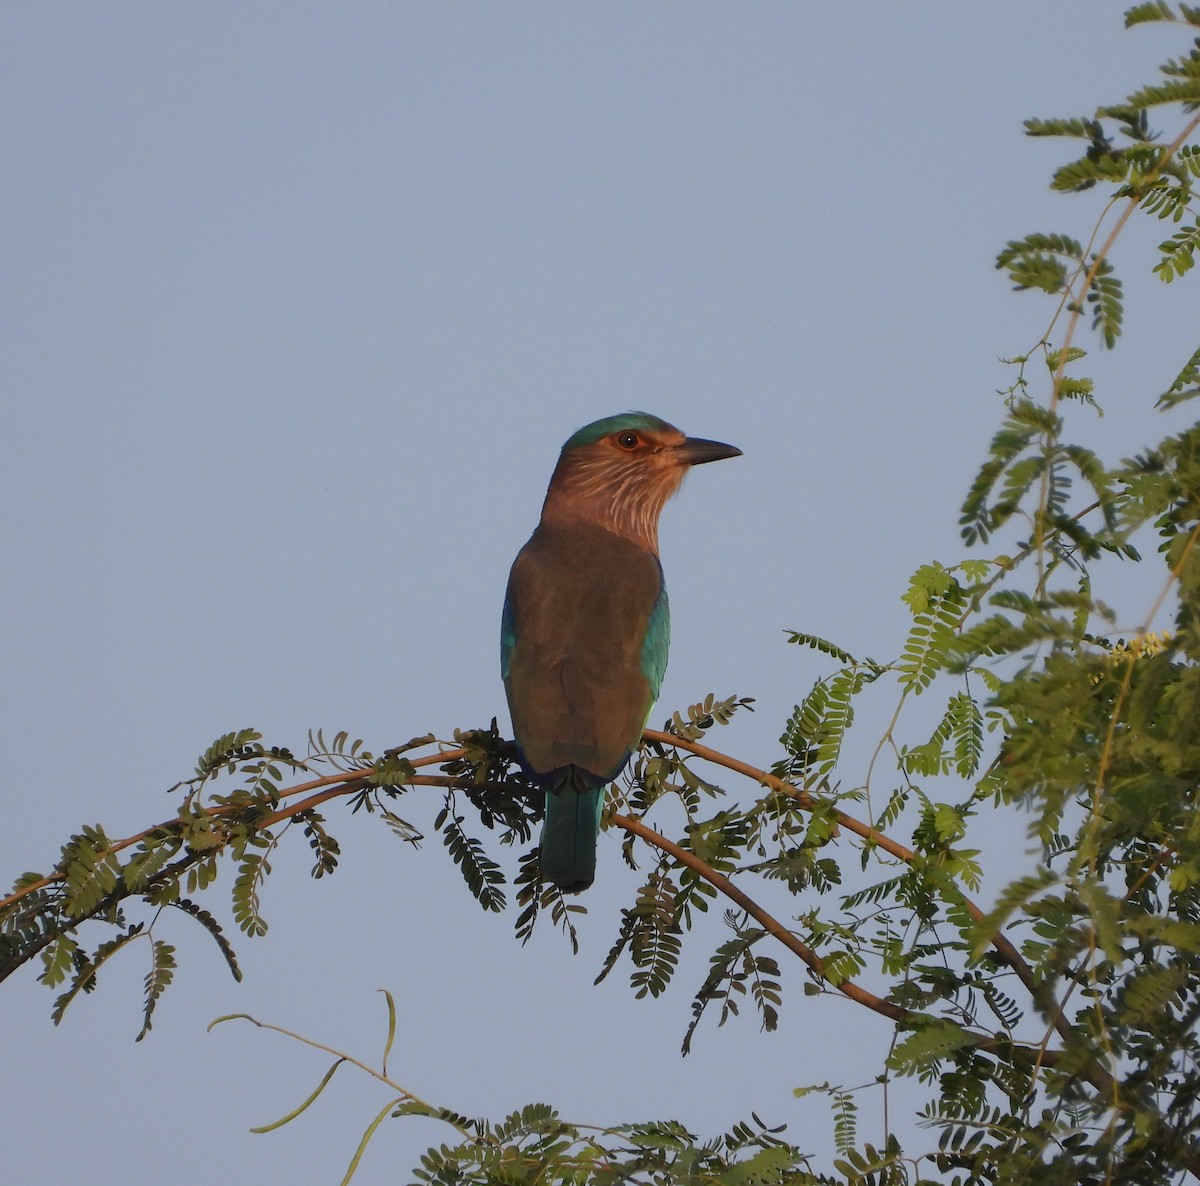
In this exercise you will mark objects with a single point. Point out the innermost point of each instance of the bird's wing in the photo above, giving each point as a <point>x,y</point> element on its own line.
<point>586,619</point>
<point>507,635</point>
<point>656,643</point>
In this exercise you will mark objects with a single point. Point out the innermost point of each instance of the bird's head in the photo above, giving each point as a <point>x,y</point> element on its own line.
<point>619,472</point>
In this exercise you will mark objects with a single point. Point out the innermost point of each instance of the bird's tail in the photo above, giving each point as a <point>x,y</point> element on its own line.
<point>569,834</point>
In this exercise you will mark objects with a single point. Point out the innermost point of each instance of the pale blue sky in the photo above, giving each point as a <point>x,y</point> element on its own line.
<point>300,302</point>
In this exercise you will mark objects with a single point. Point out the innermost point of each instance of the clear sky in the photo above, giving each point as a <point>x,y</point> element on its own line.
<point>299,303</point>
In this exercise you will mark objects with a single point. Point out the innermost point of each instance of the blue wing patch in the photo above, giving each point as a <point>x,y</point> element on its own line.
<point>508,636</point>
<point>656,643</point>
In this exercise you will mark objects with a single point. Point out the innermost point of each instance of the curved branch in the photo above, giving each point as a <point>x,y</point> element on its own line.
<point>1005,949</point>
<point>768,922</point>
<point>342,783</point>
<point>347,782</point>
<point>1095,1074</point>
<point>332,786</point>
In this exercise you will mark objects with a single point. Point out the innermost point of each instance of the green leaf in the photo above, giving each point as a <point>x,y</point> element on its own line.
<point>799,638</point>
<point>1178,253</point>
<point>482,875</point>
<point>88,968</point>
<point>928,1046</point>
<point>57,960</point>
<point>1183,90</point>
<point>1152,10</point>
<point>1016,894</point>
<point>91,871</point>
<point>937,602</point>
<point>1089,170</point>
<point>158,980</point>
<point>227,751</point>
<point>246,904</point>
<point>1106,298</point>
<point>1186,385</point>
<point>210,924</point>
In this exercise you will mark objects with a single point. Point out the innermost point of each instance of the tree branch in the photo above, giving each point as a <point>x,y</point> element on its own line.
<point>1011,956</point>
<point>769,923</point>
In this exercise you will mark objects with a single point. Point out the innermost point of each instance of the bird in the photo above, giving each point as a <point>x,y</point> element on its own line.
<point>586,624</point>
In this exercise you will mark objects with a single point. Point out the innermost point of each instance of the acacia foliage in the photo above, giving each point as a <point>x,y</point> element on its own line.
<point>1052,1036</point>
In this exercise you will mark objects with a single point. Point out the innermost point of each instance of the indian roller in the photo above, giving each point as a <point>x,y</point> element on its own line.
<point>583,639</point>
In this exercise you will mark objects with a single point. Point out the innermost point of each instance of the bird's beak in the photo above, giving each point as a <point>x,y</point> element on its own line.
<point>697,451</point>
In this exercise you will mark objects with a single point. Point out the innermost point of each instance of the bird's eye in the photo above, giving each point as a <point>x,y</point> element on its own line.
<point>629,440</point>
